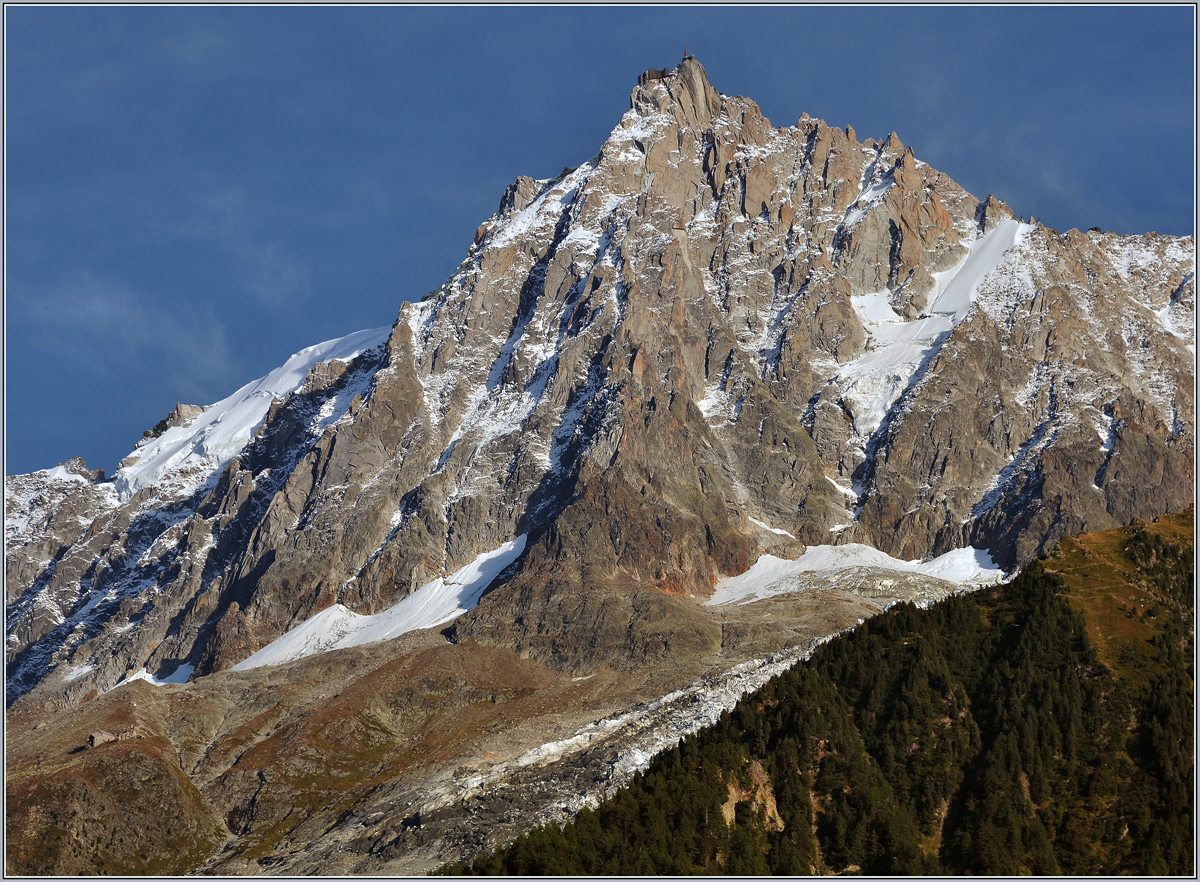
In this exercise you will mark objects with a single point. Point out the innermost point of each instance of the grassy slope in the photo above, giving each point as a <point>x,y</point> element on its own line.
<point>124,807</point>
<point>1123,609</point>
<point>256,765</point>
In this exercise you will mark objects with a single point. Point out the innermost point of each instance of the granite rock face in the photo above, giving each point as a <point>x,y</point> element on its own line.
<point>714,339</point>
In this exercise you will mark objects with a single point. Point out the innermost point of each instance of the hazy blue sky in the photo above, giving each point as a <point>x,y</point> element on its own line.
<point>193,194</point>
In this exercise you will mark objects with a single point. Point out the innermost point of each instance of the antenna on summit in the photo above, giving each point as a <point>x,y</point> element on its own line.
<point>685,52</point>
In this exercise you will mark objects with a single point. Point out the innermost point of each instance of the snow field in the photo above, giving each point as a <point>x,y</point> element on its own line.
<point>434,603</point>
<point>772,575</point>
<point>216,436</point>
<point>874,381</point>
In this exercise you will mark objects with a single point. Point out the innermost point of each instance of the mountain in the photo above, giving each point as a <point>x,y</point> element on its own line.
<point>716,344</point>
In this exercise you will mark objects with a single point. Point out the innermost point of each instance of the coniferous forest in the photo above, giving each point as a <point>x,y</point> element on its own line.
<point>985,735</point>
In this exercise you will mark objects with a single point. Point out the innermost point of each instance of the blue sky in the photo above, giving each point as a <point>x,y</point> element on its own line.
<point>195,193</point>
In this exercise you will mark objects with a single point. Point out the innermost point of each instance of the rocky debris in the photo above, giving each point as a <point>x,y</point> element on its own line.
<point>485,804</point>
<point>396,757</point>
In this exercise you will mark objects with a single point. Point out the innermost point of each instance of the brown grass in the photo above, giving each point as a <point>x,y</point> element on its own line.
<point>1105,587</point>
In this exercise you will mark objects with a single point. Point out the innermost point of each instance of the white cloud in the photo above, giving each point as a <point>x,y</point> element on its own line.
<point>81,316</point>
<point>269,270</point>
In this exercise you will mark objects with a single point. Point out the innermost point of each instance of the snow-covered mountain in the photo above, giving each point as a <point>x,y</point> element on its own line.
<point>714,343</point>
<point>712,339</point>
<point>186,455</point>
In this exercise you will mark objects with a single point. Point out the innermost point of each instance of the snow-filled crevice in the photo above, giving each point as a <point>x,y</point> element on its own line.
<point>531,293</point>
<point>1107,428</point>
<point>769,348</point>
<point>1023,461</point>
<point>875,183</point>
<point>1186,330</point>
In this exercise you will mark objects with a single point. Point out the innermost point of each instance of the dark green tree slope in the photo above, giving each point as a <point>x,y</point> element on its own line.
<point>979,736</point>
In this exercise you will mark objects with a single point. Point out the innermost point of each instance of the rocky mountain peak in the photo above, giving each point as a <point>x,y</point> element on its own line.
<point>685,87</point>
<point>712,341</point>
<point>991,211</point>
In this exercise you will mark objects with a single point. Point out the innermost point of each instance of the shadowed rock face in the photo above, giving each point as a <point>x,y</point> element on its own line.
<point>714,338</point>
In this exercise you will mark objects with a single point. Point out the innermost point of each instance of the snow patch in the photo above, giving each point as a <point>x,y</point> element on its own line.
<point>845,491</point>
<point>874,308</point>
<point>58,473</point>
<point>434,603</point>
<point>964,566</point>
<point>76,672</point>
<point>713,398</point>
<point>179,675</point>
<point>772,575</point>
<point>771,529</point>
<point>1106,428</point>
